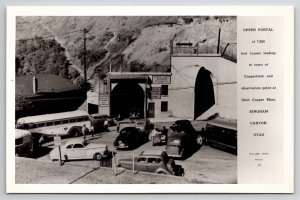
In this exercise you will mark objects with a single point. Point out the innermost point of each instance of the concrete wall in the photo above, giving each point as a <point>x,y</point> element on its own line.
<point>184,72</point>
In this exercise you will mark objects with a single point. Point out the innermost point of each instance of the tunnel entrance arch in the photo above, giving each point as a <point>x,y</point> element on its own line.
<point>204,92</point>
<point>126,98</point>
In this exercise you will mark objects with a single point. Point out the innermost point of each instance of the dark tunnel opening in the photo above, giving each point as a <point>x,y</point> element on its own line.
<point>127,98</point>
<point>204,92</point>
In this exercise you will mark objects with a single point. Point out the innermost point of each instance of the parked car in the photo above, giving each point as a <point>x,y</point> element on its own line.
<point>142,124</point>
<point>222,134</point>
<point>76,149</point>
<point>158,137</point>
<point>98,121</point>
<point>184,139</point>
<point>154,162</point>
<point>129,138</point>
<point>23,143</point>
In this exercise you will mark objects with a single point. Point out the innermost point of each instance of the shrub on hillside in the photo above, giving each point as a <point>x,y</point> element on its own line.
<point>41,56</point>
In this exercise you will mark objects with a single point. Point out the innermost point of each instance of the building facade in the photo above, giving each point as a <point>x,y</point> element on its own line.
<point>126,94</point>
<point>199,86</point>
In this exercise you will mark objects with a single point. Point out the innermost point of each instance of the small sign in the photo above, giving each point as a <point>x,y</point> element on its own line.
<point>156,93</point>
<point>57,140</point>
<point>162,79</point>
<point>104,101</point>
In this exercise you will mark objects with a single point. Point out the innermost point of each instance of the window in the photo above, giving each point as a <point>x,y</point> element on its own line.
<point>69,146</point>
<point>33,125</point>
<point>65,121</point>
<point>141,160</point>
<point>40,125</point>
<point>105,86</point>
<point>86,118</point>
<point>57,122</point>
<point>151,160</point>
<point>49,123</point>
<point>72,120</point>
<point>164,106</point>
<point>164,90</point>
<point>79,119</point>
<point>77,146</point>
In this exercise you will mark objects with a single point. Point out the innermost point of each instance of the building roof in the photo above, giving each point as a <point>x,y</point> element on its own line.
<point>47,83</point>
<point>55,116</point>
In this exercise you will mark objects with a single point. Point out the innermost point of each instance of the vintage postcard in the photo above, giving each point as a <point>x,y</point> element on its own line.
<point>170,99</point>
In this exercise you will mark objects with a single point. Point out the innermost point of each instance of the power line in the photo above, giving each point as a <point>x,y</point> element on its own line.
<point>50,36</point>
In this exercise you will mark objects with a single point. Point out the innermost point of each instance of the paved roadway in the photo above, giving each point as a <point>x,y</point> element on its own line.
<point>206,165</point>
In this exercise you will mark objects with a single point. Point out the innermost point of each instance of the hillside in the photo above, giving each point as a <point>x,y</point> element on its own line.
<point>131,43</point>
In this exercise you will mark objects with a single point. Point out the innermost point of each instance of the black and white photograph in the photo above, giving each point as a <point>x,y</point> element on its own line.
<point>126,100</point>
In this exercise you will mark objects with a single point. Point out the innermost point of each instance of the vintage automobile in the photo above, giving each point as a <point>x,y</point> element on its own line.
<point>184,139</point>
<point>222,133</point>
<point>129,138</point>
<point>142,124</point>
<point>154,162</point>
<point>23,143</point>
<point>77,149</point>
<point>158,137</point>
<point>98,121</point>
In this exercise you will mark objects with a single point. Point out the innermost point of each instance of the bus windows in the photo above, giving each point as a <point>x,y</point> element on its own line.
<point>57,122</point>
<point>49,123</point>
<point>80,119</point>
<point>72,120</point>
<point>40,125</point>
<point>65,121</point>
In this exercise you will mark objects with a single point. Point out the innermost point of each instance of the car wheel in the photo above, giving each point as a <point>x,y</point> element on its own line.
<point>75,132</point>
<point>200,140</point>
<point>98,156</point>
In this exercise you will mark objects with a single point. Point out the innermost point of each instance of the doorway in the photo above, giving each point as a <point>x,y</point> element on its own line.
<point>151,108</point>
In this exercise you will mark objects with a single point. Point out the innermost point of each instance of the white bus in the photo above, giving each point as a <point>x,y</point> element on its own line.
<point>23,143</point>
<point>61,124</point>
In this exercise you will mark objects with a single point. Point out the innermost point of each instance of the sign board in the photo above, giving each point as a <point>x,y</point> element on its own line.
<point>57,140</point>
<point>161,79</point>
<point>156,93</point>
<point>104,100</point>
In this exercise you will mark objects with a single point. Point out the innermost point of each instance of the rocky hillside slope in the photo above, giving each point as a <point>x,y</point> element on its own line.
<point>126,43</point>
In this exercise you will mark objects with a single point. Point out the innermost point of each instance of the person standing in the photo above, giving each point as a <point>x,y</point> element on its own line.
<point>106,125</point>
<point>85,131</point>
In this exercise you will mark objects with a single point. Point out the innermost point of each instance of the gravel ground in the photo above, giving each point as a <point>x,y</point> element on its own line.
<point>51,173</point>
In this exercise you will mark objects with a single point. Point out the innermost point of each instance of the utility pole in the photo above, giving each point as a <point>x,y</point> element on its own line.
<point>85,31</point>
<point>219,38</point>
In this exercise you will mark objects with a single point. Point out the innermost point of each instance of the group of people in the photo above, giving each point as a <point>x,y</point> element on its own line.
<point>85,131</point>
<point>157,131</point>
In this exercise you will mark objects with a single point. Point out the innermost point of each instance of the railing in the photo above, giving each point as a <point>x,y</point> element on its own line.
<point>226,50</point>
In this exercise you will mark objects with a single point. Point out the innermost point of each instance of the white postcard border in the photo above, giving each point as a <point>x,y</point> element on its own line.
<point>287,12</point>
